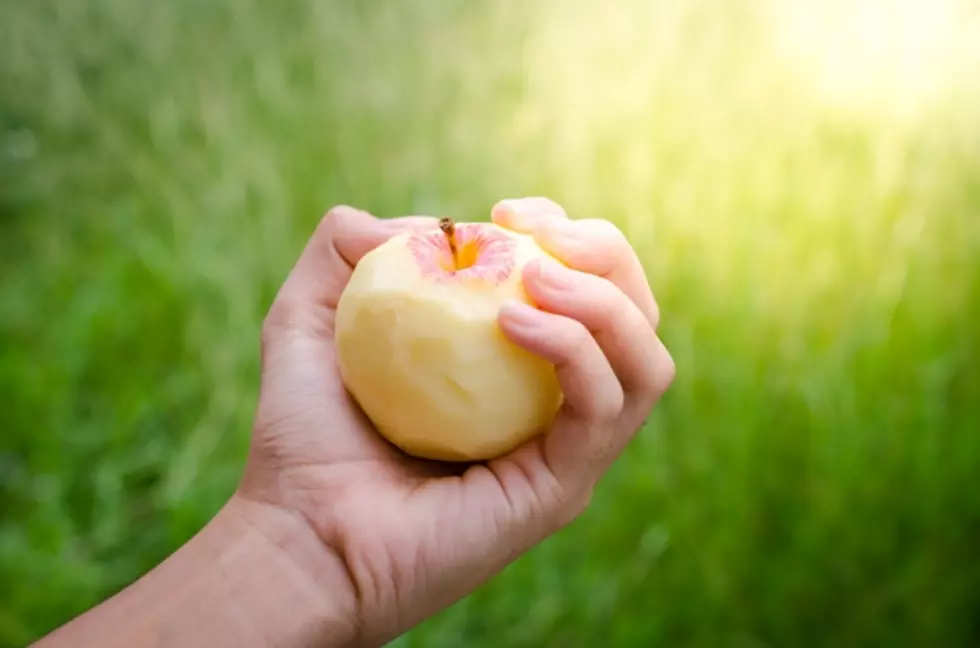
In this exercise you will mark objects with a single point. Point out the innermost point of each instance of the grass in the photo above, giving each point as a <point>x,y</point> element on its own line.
<point>810,480</point>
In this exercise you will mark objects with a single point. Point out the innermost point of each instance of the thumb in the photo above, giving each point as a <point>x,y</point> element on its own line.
<point>344,235</point>
<point>306,301</point>
<point>298,370</point>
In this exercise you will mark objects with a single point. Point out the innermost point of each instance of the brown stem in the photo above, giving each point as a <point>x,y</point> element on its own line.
<point>448,228</point>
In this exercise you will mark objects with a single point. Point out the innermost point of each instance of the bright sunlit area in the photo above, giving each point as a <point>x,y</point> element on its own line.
<point>800,179</point>
<point>899,57</point>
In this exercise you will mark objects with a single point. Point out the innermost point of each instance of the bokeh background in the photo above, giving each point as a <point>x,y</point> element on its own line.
<point>801,180</point>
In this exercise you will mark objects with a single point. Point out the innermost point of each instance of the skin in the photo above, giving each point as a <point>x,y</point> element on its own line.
<point>335,538</point>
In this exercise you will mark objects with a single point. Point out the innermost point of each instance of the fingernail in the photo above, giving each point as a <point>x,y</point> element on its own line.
<point>516,213</point>
<point>507,211</point>
<point>519,313</point>
<point>554,275</point>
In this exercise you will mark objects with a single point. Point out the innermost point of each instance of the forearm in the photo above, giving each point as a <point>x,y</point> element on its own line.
<point>253,577</point>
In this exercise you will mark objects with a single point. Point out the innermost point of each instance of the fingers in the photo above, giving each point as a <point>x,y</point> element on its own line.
<point>578,442</point>
<point>587,380</point>
<point>584,443</point>
<point>314,285</point>
<point>602,289</point>
<point>619,328</point>
<point>597,419</point>
<point>594,246</point>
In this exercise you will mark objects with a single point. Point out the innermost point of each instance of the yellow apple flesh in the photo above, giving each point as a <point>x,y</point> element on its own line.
<point>420,350</point>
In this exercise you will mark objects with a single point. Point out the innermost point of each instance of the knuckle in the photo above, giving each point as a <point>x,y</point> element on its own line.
<point>282,316</point>
<point>653,314</point>
<point>611,233</point>
<point>604,407</point>
<point>609,408</point>
<point>659,379</point>
<point>604,400</point>
<point>574,338</point>
<point>666,374</point>
<point>535,211</point>
<point>619,251</point>
<point>341,219</point>
<point>537,207</point>
<point>548,207</point>
<point>334,218</point>
<point>593,245</point>
<point>572,507</point>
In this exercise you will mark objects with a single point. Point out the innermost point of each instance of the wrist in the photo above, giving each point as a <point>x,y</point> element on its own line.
<point>273,579</point>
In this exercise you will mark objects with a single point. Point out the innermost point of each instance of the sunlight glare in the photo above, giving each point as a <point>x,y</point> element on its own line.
<point>882,55</point>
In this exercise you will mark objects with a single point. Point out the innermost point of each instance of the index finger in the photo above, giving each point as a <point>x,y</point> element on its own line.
<point>590,245</point>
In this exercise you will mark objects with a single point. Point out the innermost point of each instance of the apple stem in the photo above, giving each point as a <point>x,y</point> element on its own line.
<point>448,228</point>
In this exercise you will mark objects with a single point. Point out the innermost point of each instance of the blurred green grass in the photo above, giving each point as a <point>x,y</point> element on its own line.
<point>811,478</point>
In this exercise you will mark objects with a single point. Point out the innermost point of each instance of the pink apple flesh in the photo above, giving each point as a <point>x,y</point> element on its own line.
<point>420,350</point>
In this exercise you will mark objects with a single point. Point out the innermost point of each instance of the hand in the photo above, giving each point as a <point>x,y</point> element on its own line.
<point>413,536</point>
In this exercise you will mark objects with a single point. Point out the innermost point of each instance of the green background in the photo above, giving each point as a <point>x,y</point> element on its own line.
<point>813,238</point>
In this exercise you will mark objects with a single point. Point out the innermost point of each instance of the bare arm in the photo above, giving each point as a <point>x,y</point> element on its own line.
<point>254,576</point>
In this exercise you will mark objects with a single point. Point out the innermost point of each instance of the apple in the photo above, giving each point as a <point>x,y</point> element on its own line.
<point>420,350</point>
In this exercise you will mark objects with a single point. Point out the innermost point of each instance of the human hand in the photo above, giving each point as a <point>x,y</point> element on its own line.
<point>415,536</point>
